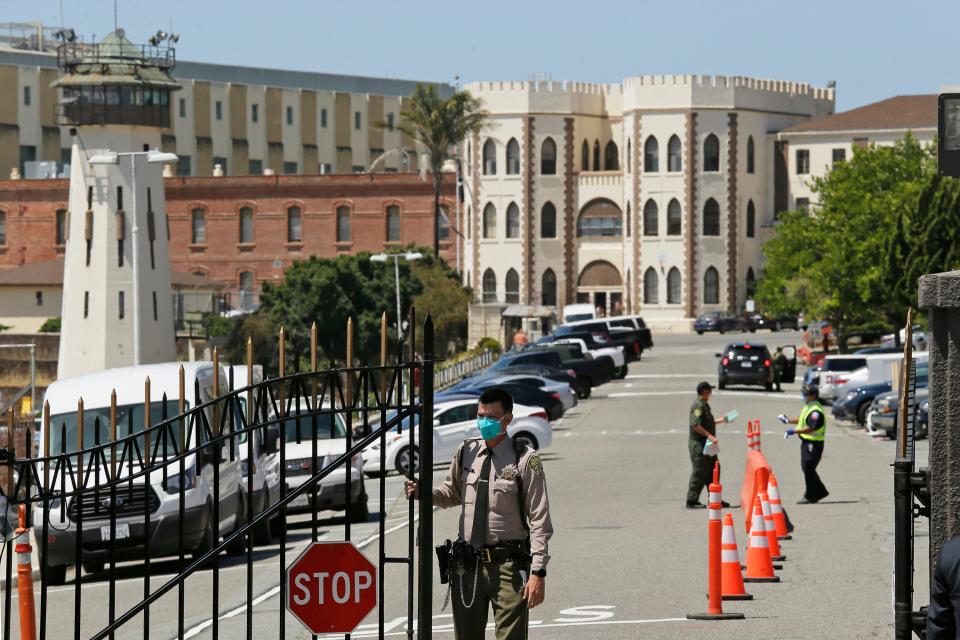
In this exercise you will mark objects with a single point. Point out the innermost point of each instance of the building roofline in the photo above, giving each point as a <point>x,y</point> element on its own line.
<point>834,132</point>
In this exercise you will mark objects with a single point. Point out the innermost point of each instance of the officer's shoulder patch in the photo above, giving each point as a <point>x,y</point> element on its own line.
<point>536,465</point>
<point>697,412</point>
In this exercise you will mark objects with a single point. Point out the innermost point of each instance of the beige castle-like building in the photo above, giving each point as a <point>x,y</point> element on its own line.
<point>654,195</point>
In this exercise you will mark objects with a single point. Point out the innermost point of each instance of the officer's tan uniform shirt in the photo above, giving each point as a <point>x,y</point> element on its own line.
<point>506,519</point>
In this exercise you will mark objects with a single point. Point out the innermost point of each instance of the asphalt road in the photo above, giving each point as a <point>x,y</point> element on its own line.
<point>628,561</point>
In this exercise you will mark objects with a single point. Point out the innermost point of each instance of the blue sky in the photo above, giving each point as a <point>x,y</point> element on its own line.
<point>872,49</point>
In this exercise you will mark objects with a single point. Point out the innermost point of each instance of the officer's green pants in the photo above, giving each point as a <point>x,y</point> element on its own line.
<point>701,472</point>
<point>500,585</point>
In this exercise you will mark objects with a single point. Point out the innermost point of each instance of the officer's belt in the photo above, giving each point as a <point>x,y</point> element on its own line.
<point>504,552</point>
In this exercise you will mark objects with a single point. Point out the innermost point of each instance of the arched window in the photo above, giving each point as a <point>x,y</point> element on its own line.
<point>548,157</point>
<point>61,230</point>
<point>295,224</point>
<point>751,219</point>
<point>489,286</point>
<point>393,223</point>
<point>711,218</point>
<point>600,218</point>
<point>711,286</point>
<point>674,218</point>
<point>513,220</point>
<point>198,226</point>
<point>651,286</point>
<point>711,153</point>
<point>585,156</point>
<point>513,157</point>
<point>751,283</point>
<point>750,165</point>
<point>246,224</point>
<point>674,159</point>
<point>596,155</point>
<point>628,220</point>
<point>512,287</point>
<point>469,221</point>
<point>548,221</point>
<point>343,224</point>
<point>611,157</point>
<point>651,218</point>
<point>651,155</point>
<point>548,288</point>
<point>490,221</point>
<point>673,286</point>
<point>489,158</point>
<point>629,161</point>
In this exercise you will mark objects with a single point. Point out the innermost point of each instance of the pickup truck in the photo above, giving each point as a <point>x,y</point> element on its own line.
<point>595,345</point>
<point>592,372</point>
<point>623,331</point>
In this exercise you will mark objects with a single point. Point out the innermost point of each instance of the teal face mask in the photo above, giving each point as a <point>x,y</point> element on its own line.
<point>489,427</point>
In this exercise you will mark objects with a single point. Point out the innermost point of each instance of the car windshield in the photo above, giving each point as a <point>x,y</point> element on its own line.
<point>844,364</point>
<point>328,426</point>
<point>64,428</point>
<point>710,316</point>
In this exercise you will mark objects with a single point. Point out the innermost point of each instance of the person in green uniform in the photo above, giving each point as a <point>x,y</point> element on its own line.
<point>779,366</point>
<point>703,428</point>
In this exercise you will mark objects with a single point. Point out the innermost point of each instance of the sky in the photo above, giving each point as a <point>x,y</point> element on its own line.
<point>872,50</point>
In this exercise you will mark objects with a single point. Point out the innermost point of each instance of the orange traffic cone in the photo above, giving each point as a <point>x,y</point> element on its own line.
<point>761,476</point>
<point>732,578</point>
<point>750,441</point>
<point>779,517</point>
<point>756,434</point>
<point>759,566</point>
<point>771,529</point>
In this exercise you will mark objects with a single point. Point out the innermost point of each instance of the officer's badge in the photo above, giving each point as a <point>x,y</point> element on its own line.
<point>697,412</point>
<point>536,465</point>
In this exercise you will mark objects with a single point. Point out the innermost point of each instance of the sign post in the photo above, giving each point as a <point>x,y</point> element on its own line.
<point>331,587</point>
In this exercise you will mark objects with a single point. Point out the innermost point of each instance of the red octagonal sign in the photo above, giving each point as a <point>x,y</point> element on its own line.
<point>331,587</point>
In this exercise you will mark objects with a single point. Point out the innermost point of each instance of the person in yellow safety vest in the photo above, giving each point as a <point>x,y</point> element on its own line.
<point>812,428</point>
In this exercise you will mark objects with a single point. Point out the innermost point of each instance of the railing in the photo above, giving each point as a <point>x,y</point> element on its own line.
<point>71,54</point>
<point>94,494</point>
<point>451,374</point>
<point>595,179</point>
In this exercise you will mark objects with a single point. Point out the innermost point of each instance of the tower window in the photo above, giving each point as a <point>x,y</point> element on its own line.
<point>39,295</point>
<point>356,120</point>
<point>154,306</point>
<point>120,303</point>
<point>26,97</point>
<point>255,112</point>
<point>218,107</point>
<point>323,118</point>
<point>86,304</point>
<point>290,115</point>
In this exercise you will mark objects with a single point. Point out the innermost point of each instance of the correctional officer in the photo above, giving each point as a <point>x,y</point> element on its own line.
<point>812,428</point>
<point>779,366</point>
<point>504,525</point>
<point>703,428</point>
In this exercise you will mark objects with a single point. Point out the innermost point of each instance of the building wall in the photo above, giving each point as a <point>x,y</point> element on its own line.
<point>31,227</point>
<point>19,308</point>
<point>628,114</point>
<point>202,137</point>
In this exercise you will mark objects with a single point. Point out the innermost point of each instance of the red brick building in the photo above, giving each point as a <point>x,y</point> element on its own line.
<point>243,231</point>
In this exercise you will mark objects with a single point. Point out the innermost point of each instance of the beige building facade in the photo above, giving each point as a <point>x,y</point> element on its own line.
<point>650,196</point>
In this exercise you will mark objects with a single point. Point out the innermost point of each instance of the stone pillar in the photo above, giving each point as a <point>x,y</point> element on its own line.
<point>940,296</point>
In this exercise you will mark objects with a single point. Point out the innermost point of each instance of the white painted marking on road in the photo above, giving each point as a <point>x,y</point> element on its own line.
<point>645,376</point>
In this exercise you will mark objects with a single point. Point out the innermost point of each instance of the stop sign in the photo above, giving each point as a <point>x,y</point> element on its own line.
<point>331,587</point>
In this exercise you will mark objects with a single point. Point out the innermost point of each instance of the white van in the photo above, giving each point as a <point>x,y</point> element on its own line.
<point>95,507</point>
<point>266,459</point>
<point>577,312</point>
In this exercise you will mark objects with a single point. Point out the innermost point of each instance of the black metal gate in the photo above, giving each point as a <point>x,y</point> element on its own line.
<point>115,492</point>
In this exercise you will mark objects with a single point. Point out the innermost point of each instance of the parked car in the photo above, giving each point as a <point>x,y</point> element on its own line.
<point>567,397</point>
<point>266,460</point>
<point>855,404</point>
<point>919,339</point>
<point>455,419</point>
<point>580,388</point>
<point>298,432</point>
<point>758,321</point>
<point>869,351</point>
<point>163,495</point>
<point>575,312</point>
<point>835,368</point>
<point>589,372</point>
<point>811,377</point>
<point>719,321</point>
<point>630,332</point>
<point>885,409</point>
<point>594,344</point>
<point>524,394</point>
<point>745,363</point>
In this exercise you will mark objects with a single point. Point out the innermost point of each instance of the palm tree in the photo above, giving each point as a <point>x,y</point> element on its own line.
<point>438,125</point>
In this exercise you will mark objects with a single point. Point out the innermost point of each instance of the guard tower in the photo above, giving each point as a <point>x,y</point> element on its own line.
<point>117,302</point>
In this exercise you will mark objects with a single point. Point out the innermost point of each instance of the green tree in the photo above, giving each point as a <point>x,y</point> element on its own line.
<point>446,302</point>
<point>831,263</point>
<point>437,125</point>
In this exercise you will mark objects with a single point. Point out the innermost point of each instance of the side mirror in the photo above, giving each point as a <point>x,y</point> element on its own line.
<point>272,443</point>
<point>436,423</point>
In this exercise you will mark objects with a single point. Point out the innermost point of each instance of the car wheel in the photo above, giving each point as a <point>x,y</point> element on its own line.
<point>583,391</point>
<point>527,439</point>
<point>862,411</point>
<point>406,458</point>
<point>262,533</point>
<point>92,566</point>
<point>207,542</point>
<point>699,332</point>
<point>621,373</point>
<point>722,385</point>
<point>753,329</point>
<point>768,386</point>
<point>359,510</point>
<point>722,331</point>
<point>55,575</point>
